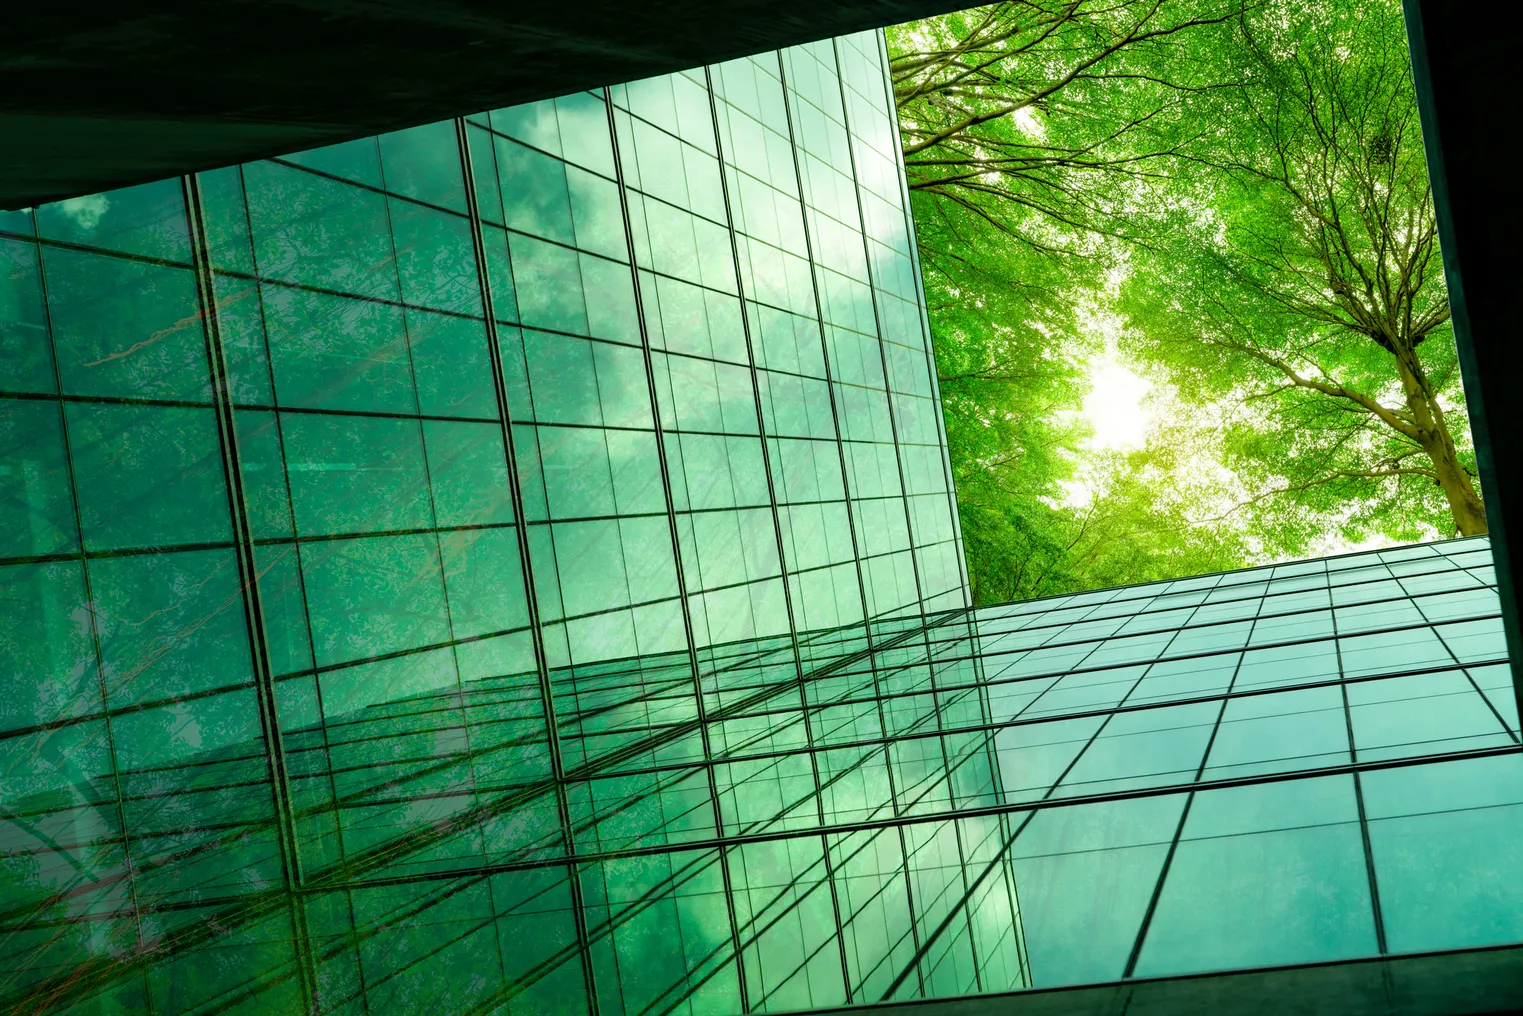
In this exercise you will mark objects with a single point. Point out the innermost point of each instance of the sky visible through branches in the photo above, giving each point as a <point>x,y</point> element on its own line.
<point>1184,280</point>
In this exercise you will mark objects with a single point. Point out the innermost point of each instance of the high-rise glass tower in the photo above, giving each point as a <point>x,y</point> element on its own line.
<point>510,566</point>
<point>389,523</point>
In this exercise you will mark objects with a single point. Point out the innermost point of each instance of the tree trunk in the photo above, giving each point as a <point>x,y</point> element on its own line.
<point>1465,505</point>
<point>1433,435</point>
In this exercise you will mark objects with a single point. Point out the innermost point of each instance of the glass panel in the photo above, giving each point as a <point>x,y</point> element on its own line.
<point>1085,876</point>
<point>1264,876</point>
<point>1444,839</point>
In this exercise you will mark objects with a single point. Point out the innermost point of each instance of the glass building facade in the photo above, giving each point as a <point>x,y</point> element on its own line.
<point>510,566</point>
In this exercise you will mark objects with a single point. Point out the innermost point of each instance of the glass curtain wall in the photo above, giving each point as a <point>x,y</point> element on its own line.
<point>389,525</point>
<point>1303,763</point>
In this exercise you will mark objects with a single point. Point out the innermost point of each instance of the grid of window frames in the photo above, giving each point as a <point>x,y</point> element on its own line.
<point>464,498</point>
<point>1310,762</point>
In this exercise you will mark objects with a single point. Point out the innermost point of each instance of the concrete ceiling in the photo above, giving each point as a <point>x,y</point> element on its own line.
<point>95,96</point>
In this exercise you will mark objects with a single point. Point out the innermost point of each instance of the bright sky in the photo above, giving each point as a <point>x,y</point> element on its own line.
<point>1026,117</point>
<point>1116,410</point>
<point>1114,405</point>
<point>1119,410</point>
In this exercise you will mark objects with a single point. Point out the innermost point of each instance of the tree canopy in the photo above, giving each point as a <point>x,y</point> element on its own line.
<point>1230,199</point>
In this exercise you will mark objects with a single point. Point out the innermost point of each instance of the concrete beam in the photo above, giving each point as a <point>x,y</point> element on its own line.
<point>100,96</point>
<point>1456,983</point>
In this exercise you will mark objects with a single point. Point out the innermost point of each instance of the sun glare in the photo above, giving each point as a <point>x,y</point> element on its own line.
<point>1115,406</point>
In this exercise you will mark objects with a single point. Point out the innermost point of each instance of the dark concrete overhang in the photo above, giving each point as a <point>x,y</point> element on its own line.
<point>95,96</point>
<point>1457,983</point>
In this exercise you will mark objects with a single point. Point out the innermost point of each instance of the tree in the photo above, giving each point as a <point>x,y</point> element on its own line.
<point>1025,125</point>
<point>1011,383</point>
<point>1028,113</point>
<point>1294,270</point>
<point>1012,361</point>
<point>1243,181</point>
